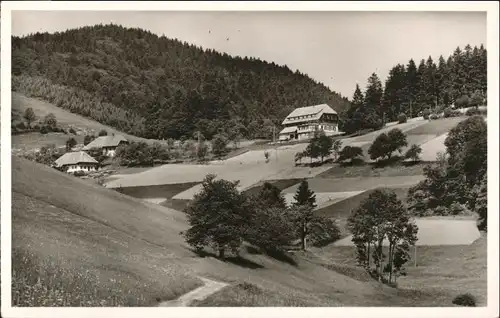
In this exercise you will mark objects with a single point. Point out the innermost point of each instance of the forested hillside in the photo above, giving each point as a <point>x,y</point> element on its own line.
<point>461,79</point>
<point>156,87</point>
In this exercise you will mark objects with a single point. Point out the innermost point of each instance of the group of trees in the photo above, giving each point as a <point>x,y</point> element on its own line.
<point>383,233</point>
<point>156,87</point>
<point>457,183</point>
<point>382,148</point>
<point>31,122</point>
<point>47,155</point>
<point>223,218</point>
<point>136,154</point>
<point>320,146</point>
<point>409,89</point>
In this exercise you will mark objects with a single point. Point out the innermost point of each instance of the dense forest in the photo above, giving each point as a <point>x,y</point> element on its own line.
<point>461,79</point>
<point>155,87</point>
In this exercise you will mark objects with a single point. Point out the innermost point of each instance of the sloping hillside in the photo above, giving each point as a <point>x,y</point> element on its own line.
<point>65,119</point>
<point>157,87</point>
<point>100,245</point>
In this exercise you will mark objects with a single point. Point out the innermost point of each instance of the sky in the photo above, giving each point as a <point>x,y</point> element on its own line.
<point>339,49</point>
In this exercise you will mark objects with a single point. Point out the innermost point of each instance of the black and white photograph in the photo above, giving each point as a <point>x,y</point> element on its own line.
<point>244,157</point>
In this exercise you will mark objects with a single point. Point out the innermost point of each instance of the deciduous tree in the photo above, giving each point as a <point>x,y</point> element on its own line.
<point>382,218</point>
<point>217,217</point>
<point>29,116</point>
<point>350,153</point>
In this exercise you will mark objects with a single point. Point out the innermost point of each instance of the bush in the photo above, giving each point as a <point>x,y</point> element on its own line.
<point>103,133</point>
<point>79,174</point>
<point>441,210</point>
<point>472,112</point>
<point>438,109</point>
<point>21,126</point>
<point>141,154</point>
<point>458,209</point>
<point>350,153</point>
<point>466,300</point>
<point>70,144</point>
<point>266,155</point>
<point>402,118</point>
<point>463,101</point>
<point>448,112</point>
<point>219,145</point>
<point>414,153</point>
<point>88,139</point>
<point>426,113</point>
<point>44,130</point>
<point>72,131</point>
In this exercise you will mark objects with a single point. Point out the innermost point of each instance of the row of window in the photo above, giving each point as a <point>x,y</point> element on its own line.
<point>301,117</point>
<point>312,127</point>
<point>82,167</point>
<point>327,116</point>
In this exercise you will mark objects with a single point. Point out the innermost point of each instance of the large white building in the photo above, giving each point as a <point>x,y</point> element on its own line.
<point>72,162</point>
<point>304,121</point>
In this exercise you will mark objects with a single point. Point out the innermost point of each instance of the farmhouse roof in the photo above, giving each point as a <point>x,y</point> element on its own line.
<point>71,158</point>
<point>105,141</point>
<point>315,111</point>
<point>288,130</point>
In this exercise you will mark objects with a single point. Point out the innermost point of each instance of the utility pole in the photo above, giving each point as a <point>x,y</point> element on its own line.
<point>199,143</point>
<point>415,254</point>
<point>274,141</point>
<point>274,134</point>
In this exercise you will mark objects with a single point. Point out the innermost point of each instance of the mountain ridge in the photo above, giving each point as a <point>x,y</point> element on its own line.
<point>175,88</point>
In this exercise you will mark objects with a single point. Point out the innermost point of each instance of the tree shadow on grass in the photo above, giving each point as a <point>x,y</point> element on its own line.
<point>353,162</point>
<point>393,161</point>
<point>411,163</point>
<point>235,260</point>
<point>280,256</point>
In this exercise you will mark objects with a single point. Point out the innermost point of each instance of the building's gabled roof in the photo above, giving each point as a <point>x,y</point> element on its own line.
<point>71,158</point>
<point>288,130</point>
<point>314,111</point>
<point>105,141</point>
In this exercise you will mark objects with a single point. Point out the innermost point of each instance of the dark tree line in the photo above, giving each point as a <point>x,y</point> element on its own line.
<point>156,87</point>
<point>461,79</point>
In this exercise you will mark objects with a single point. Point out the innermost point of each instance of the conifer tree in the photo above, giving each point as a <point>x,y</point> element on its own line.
<point>304,195</point>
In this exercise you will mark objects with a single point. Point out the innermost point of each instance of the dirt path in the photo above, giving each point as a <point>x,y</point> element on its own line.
<point>210,287</point>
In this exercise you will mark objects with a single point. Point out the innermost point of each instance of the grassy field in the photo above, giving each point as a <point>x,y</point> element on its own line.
<point>67,231</point>
<point>442,271</point>
<point>431,148</point>
<point>280,184</point>
<point>93,246</point>
<point>65,118</point>
<point>436,127</point>
<point>433,232</point>
<point>35,140</point>
<point>357,183</point>
<point>342,209</point>
<point>165,191</point>
<point>371,170</point>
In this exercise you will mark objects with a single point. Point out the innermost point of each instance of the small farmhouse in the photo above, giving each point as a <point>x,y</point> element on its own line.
<point>304,121</point>
<point>107,144</point>
<point>72,162</point>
